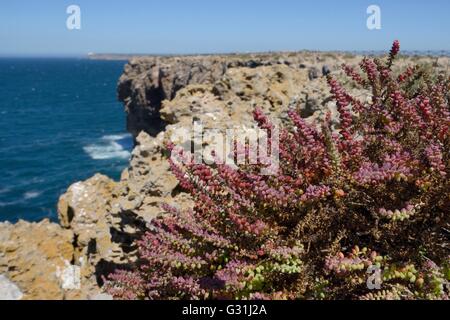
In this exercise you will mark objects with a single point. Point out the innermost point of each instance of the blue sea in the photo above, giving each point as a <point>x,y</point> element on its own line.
<point>60,123</point>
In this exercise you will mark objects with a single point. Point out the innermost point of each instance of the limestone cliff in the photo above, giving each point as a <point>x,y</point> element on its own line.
<point>148,81</point>
<point>100,219</point>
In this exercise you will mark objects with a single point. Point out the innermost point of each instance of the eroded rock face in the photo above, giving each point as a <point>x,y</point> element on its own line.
<point>34,256</point>
<point>231,100</point>
<point>148,81</point>
<point>85,210</point>
<point>148,181</point>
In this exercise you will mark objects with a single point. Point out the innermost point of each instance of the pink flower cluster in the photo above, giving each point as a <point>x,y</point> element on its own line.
<point>395,49</point>
<point>370,68</point>
<point>315,193</point>
<point>397,165</point>
<point>436,159</point>
<point>402,214</point>
<point>356,260</point>
<point>350,72</point>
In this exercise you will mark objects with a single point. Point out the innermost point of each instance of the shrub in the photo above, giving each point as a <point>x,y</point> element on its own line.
<point>379,180</point>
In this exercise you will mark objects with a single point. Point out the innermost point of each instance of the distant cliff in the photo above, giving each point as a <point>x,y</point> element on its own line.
<point>148,81</point>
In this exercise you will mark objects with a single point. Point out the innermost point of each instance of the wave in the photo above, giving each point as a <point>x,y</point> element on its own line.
<point>116,137</point>
<point>12,203</point>
<point>22,200</point>
<point>31,195</point>
<point>110,147</point>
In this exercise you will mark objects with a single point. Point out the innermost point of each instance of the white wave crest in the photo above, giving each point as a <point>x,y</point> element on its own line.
<point>116,137</point>
<point>31,195</point>
<point>108,148</point>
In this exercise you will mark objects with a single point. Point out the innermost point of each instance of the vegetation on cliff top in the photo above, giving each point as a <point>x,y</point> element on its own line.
<point>372,195</point>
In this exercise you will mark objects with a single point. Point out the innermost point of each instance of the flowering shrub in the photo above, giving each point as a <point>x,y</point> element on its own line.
<point>379,180</point>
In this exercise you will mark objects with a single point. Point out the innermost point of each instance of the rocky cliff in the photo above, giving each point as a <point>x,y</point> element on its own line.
<point>149,81</point>
<point>100,219</point>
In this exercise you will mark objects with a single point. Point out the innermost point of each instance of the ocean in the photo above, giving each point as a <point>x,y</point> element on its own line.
<point>60,123</point>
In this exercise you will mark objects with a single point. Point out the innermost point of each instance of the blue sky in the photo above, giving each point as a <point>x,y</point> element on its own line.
<point>211,26</point>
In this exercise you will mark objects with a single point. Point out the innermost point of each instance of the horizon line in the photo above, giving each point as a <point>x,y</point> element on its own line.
<point>100,54</point>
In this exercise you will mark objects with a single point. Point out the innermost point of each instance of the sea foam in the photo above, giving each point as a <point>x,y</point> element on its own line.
<point>109,147</point>
<point>31,195</point>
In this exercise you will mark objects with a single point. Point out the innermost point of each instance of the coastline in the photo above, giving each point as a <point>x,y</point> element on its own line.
<point>130,56</point>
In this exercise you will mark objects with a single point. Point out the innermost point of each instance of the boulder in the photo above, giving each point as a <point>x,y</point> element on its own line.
<point>85,210</point>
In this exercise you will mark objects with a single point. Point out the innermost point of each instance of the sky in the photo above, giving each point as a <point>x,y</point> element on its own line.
<point>38,28</point>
